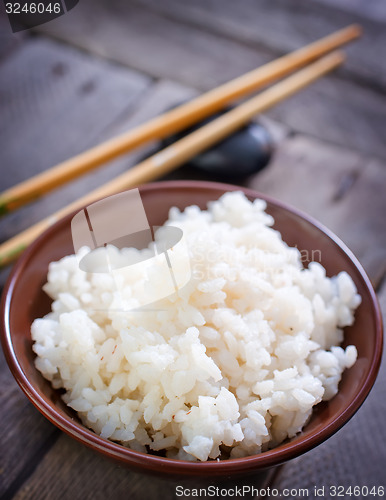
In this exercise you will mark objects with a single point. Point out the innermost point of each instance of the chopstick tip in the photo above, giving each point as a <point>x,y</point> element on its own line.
<point>339,55</point>
<point>335,57</point>
<point>356,30</point>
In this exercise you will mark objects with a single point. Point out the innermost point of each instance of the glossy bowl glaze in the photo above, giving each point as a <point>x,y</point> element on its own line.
<point>23,301</point>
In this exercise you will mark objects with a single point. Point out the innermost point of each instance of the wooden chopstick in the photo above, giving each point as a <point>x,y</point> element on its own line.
<point>182,150</point>
<point>172,121</point>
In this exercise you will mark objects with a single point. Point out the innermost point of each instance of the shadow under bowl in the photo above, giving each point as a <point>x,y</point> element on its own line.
<point>23,301</point>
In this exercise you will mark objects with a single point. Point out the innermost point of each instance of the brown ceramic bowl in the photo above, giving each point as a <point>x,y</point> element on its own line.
<point>24,300</point>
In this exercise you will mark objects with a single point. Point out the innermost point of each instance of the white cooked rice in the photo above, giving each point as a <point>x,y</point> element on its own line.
<point>233,365</point>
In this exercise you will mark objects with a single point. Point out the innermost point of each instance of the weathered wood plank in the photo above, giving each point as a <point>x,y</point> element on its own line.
<point>339,112</point>
<point>356,455</point>
<point>372,9</point>
<point>342,189</point>
<point>70,471</point>
<point>149,42</point>
<point>284,25</point>
<point>25,434</point>
<point>57,102</point>
<point>203,46</point>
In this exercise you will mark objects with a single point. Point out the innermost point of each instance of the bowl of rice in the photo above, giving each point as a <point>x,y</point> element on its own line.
<point>269,343</point>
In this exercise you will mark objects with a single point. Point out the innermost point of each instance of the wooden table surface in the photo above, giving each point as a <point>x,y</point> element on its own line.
<point>107,66</point>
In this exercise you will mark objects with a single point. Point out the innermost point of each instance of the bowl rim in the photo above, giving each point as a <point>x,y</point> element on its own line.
<point>124,455</point>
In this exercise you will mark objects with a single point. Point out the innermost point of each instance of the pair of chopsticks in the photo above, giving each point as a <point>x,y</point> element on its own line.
<point>171,122</point>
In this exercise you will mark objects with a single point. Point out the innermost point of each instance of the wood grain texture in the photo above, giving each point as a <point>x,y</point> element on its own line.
<point>371,9</point>
<point>57,102</point>
<point>40,124</point>
<point>25,434</point>
<point>283,25</point>
<point>342,189</point>
<point>145,40</point>
<point>203,45</point>
<point>70,471</point>
<point>339,112</point>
